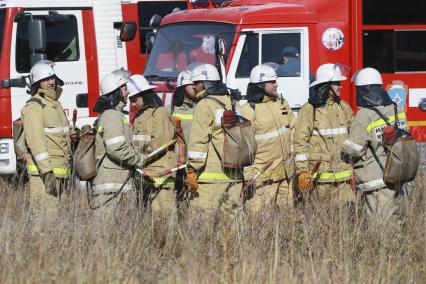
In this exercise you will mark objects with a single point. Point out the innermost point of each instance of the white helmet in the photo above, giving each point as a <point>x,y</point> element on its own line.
<point>42,70</point>
<point>183,79</point>
<point>111,82</point>
<point>205,72</point>
<point>262,73</point>
<point>328,73</point>
<point>367,76</point>
<point>138,84</point>
<point>122,73</point>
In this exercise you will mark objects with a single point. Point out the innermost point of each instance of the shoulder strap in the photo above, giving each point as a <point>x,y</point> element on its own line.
<point>375,157</point>
<point>382,116</point>
<point>38,101</point>
<point>395,108</point>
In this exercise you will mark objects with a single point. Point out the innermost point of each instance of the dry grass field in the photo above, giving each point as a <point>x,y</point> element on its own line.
<point>310,245</point>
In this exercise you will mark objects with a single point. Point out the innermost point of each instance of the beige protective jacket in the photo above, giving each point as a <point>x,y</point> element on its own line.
<point>115,154</point>
<point>47,134</point>
<point>273,121</point>
<point>206,141</point>
<point>318,135</point>
<point>186,113</point>
<point>152,129</point>
<point>367,128</point>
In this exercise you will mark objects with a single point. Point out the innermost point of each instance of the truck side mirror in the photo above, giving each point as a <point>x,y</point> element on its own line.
<point>221,47</point>
<point>18,83</point>
<point>128,31</point>
<point>82,100</point>
<point>422,104</point>
<point>155,21</point>
<point>37,35</point>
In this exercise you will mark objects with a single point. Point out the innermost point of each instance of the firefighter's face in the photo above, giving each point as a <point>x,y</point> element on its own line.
<point>271,88</point>
<point>137,102</point>
<point>48,83</point>
<point>198,87</point>
<point>124,92</point>
<point>337,88</point>
<point>189,92</point>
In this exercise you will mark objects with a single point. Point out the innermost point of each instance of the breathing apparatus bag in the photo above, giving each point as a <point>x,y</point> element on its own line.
<point>402,160</point>
<point>239,146</point>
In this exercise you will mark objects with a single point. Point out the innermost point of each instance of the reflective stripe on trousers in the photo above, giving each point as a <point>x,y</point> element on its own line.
<point>183,116</point>
<point>222,177</point>
<point>59,171</point>
<point>331,177</point>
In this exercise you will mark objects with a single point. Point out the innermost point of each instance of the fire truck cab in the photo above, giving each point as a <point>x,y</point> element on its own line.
<point>297,36</point>
<point>84,38</point>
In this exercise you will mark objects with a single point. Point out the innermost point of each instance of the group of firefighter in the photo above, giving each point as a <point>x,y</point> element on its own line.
<point>174,159</point>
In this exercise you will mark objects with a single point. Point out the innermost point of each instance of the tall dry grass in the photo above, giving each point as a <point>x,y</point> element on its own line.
<point>310,245</point>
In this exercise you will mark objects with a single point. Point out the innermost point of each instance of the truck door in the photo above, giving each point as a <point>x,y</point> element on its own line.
<point>65,47</point>
<point>285,49</point>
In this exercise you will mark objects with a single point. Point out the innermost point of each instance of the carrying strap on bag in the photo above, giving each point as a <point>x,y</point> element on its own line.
<point>386,119</point>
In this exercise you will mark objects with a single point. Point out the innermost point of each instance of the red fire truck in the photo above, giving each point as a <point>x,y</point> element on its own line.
<point>83,38</point>
<point>387,35</point>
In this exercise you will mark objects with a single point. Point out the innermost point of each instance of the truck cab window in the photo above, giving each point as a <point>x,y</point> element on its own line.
<point>283,51</point>
<point>249,56</point>
<point>148,9</point>
<point>61,42</point>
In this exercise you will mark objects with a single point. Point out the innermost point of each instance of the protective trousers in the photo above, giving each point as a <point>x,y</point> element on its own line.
<point>276,194</point>
<point>337,192</point>
<point>40,201</point>
<point>384,203</point>
<point>215,195</point>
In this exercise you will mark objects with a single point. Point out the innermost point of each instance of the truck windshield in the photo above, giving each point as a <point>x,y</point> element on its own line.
<point>2,17</point>
<point>179,45</point>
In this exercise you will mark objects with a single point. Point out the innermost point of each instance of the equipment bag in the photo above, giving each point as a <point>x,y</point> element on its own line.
<point>85,154</point>
<point>402,160</point>
<point>239,146</point>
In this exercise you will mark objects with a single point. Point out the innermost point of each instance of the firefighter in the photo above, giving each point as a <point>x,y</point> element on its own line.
<point>321,127</point>
<point>153,127</point>
<point>205,151</point>
<point>47,137</point>
<point>365,145</point>
<point>116,157</point>
<point>184,99</point>
<point>272,118</point>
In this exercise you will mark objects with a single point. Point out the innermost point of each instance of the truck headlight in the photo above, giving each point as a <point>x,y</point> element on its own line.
<point>4,148</point>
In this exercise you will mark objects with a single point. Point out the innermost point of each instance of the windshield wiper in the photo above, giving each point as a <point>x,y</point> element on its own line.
<point>166,79</point>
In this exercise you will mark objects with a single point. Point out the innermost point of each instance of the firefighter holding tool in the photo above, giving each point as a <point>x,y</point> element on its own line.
<point>321,127</point>
<point>153,127</point>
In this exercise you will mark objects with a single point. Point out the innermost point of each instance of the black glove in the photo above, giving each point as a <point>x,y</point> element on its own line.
<point>49,181</point>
